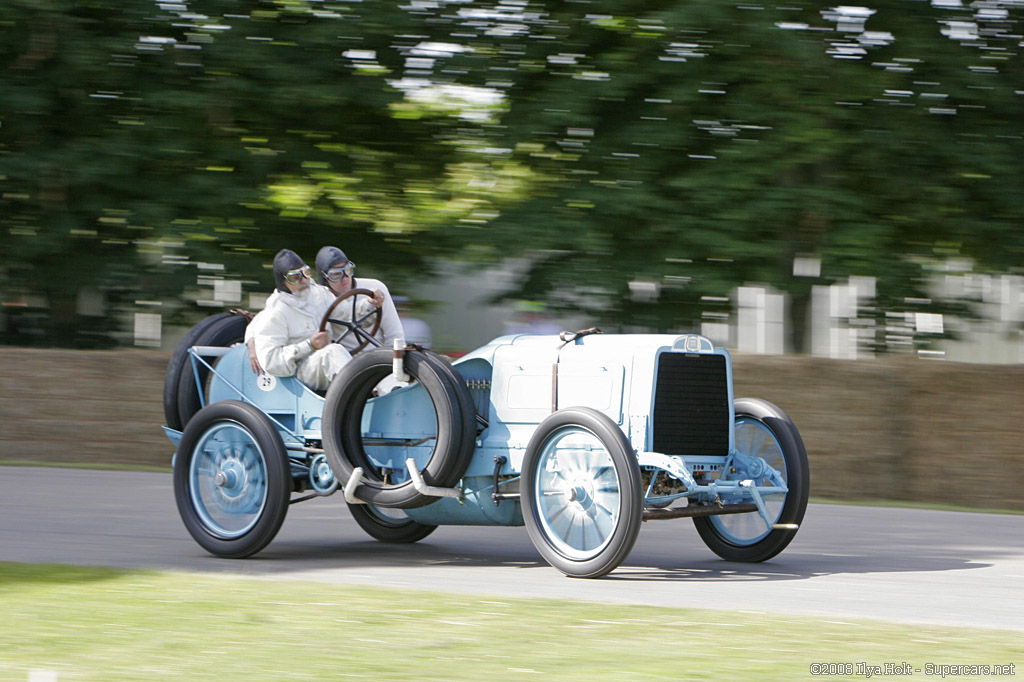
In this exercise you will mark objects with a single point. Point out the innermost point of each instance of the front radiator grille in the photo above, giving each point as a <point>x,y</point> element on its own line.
<point>691,405</point>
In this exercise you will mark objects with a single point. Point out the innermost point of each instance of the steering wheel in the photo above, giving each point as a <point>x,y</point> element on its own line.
<point>354,326</point>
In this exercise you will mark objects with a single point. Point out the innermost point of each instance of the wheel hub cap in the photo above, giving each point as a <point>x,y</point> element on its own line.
<point>231,477</point>
<point>581,495</point>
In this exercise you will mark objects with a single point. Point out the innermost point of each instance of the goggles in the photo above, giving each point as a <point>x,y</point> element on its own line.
<point>295,276</point>
<point>340,272</point>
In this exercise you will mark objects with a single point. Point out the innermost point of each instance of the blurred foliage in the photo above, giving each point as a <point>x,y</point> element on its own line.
<point>151,151</point>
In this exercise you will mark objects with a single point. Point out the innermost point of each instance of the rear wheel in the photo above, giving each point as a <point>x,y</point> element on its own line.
<point>232,480</point>
<point>582,501</point>
<point>764,431</point>
<point>389,525</point>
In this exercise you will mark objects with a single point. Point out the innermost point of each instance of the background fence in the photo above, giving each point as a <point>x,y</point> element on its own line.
<point>894,428</point>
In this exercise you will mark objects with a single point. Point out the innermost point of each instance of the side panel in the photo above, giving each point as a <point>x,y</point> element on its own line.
<point>477,509</point>
<point>598,386</point>
<point>285,399</point>
<point>399,426</point>
<point>522,384</point>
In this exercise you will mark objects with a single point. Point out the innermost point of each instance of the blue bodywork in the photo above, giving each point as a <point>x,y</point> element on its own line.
<point>516,382</point>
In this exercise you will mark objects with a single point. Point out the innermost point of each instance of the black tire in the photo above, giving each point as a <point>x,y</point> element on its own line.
<point>593,490</point>
<point>222,331</point>
<point>467,406</point>
<point>237,515</point>
<point>385,527</point>
<point>178,364</point>
<point>342,432</point>
<point>743,537</point>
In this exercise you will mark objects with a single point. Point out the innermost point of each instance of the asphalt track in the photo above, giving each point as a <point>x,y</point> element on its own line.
<point>901,565</point>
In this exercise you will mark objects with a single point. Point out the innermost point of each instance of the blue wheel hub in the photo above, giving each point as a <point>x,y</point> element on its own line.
<point>228,480</point>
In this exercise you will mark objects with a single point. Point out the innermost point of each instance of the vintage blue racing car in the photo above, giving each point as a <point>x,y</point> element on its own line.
<point>580,437</point>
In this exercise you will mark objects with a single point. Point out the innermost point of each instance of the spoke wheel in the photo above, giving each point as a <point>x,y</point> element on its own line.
<point>763,431</point>
<point>231,479</point>
<point>389,525</point>
<point>582,502</point>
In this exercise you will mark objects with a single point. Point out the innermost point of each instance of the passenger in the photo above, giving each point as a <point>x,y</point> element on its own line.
<point>284,338</point>
<point>334,270</point>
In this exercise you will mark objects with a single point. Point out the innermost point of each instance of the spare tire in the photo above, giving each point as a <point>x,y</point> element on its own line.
<point>342,425</point>
<point>181,397</point>
<point>180,363</point>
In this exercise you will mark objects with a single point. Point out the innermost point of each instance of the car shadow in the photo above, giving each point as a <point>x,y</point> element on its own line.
<point>790,567</point>
<point>691,565</point>
<point>835,541</point>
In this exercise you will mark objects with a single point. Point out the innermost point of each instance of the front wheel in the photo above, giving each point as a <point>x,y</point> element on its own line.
<point>582,500</point>
<point>232,481</point>
<point>389,525</point>
<point>764,431</point>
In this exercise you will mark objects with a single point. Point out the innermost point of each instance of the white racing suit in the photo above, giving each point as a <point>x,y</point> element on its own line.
<point>282,329</point>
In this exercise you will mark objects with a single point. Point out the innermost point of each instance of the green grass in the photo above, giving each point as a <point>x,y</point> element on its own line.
<point>108,625</point>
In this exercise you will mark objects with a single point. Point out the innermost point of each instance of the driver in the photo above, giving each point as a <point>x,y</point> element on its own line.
<point>335,271</point>
<point>284,337</point>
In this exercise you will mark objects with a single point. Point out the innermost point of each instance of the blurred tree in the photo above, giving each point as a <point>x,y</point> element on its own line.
<point>151,153</point>
<point>648,157</point>
<point>701,146</point>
